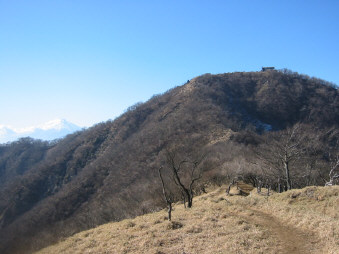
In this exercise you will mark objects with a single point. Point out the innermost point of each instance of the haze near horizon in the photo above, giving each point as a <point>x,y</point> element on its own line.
<point>87,62</point>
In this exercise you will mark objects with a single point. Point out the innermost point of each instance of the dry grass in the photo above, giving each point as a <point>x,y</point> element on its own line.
<point>312,209</point>
<point>220,224</point>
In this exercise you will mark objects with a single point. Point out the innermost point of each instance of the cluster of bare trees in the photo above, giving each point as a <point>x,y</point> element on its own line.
<point>296,157</point>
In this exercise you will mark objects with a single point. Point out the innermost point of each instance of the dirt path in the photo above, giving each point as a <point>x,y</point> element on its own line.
<point>289,239</point>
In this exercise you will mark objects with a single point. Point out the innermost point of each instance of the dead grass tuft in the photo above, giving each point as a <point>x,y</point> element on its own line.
<point>194,230</point>
<point>157,222</point>
<point>130,224</point>
<point>174,225</point>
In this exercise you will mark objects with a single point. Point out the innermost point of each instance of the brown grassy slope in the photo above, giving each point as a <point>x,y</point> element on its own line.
<point>298,221</point>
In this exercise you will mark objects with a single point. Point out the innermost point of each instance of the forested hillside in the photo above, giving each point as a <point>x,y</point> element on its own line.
<point>239,123</point>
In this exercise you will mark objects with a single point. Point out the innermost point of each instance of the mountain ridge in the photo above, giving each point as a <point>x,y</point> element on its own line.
<point>108,172</point>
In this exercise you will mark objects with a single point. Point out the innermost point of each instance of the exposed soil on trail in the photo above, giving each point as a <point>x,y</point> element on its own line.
<point>289,239</point>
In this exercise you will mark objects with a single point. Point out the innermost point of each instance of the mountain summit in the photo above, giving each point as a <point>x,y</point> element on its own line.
<point>54,129</point>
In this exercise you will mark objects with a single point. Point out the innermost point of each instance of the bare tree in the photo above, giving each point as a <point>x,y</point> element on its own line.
<point>334,171</point>
<point>333,157</point>
<point>280,151</point>
<point>168,198</point>
<point>185,173</point>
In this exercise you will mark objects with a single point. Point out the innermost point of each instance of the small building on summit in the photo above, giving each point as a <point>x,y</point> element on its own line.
<point>267,69</point>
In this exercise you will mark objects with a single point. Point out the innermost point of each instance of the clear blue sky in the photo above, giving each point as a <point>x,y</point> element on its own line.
<point>87,61</point>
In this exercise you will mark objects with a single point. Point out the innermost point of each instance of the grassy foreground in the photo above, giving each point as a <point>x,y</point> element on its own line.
<point>297,221</point>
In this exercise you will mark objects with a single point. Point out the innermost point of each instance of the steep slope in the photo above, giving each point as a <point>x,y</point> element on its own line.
<point>19,156</point>
<point>298,221</point>
<point>108,172</point>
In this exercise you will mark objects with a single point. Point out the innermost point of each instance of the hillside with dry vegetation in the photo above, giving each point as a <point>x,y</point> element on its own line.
<point>214,128</point>
<point>297,221</point>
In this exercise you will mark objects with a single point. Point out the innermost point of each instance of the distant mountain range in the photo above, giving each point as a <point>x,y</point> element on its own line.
<point>54,129</point>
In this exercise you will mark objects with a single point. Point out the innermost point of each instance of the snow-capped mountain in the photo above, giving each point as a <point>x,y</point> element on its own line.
<point>48,131</point>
